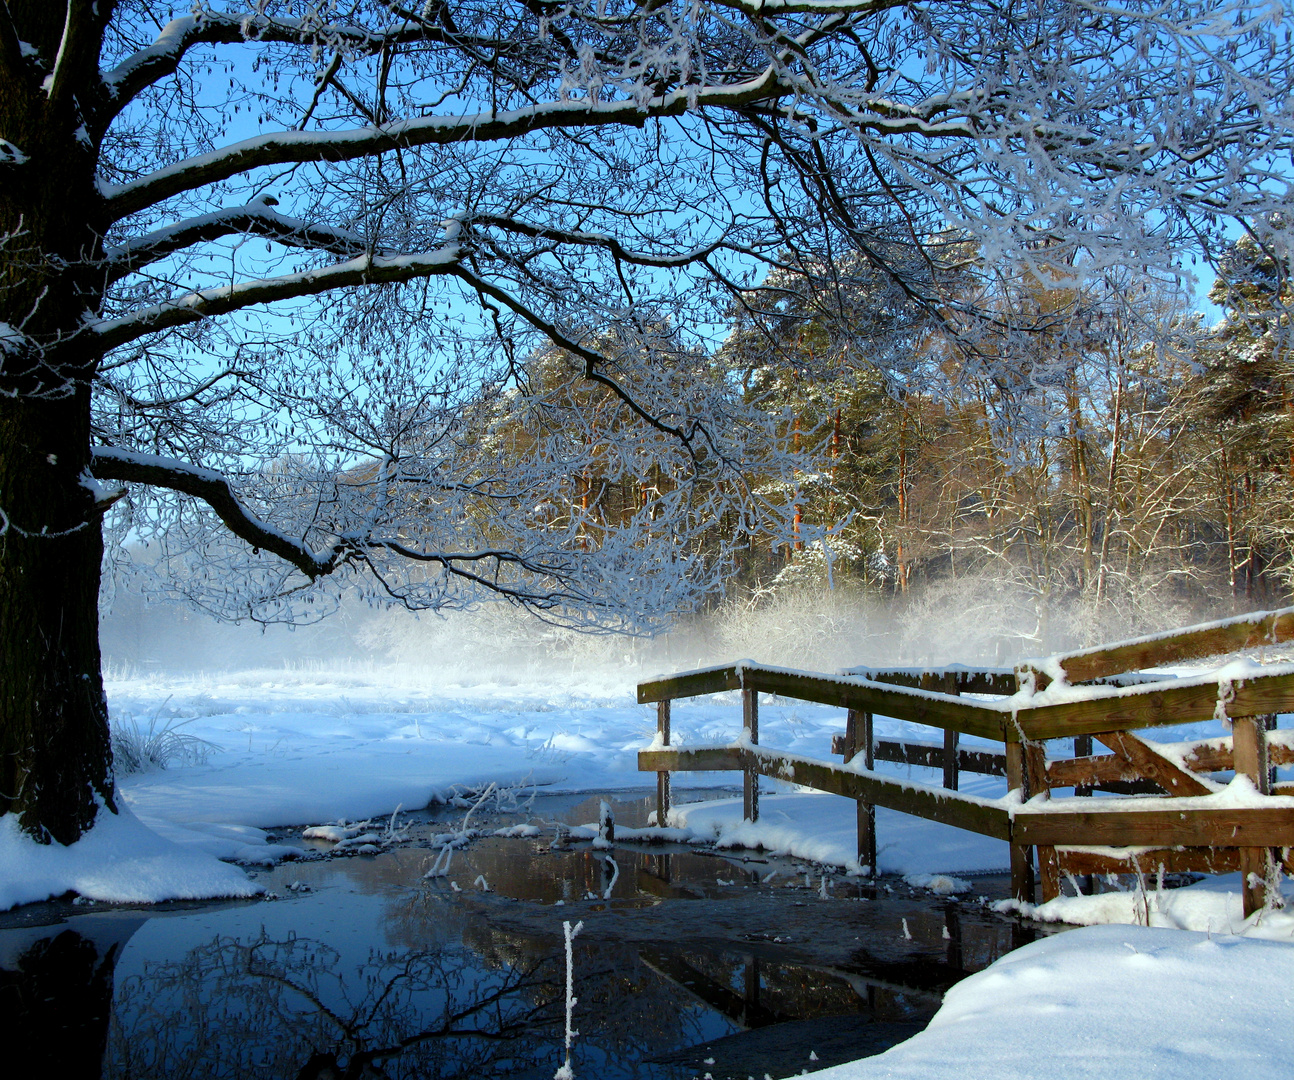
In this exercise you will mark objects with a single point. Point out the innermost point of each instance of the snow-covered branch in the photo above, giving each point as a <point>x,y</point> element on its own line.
<point>164,56</point>
<point>111,463</point>
<point>257,218</point>
<point>207,303</point>
<point>288,147</point>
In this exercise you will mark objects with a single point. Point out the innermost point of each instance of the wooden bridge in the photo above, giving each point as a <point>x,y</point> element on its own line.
<point>1159,807</point>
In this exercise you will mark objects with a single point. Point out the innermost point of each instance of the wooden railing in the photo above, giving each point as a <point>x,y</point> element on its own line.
<point>1182,823</point>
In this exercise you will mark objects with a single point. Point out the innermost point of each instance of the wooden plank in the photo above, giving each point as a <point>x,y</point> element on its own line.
<point>1191,643</point>
<point>937,710</point>
<point>1202,860</point>
<point>690,684</point>
<point>1165,704</point>
<point>697,759</point>
<point>946,807</point>
<point>1153,765</point>
<point>1169,827</point>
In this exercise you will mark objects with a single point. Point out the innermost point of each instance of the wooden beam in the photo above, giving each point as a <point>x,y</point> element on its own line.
<point>1112,768</point>
<point>950,808</point>
<point>1035,775</point>
<point>662,777</point>
<point>860,737</point>
<point>750,778</point>
<point>1169,827</point>
<point>984,681</point>
<point>1192,643</point>
<point>1202,860</point>
<point>697,759</point>
<point>1162,703</point>
<point>1089,772</point>
<point>1159,703</point>
<point>1249,749</point>
<point>1022,883</point>
<point>934,804</point>
<point>1153,765</point>
<point>931,756</point>
<point>937,710</point>
<point>690,684</point>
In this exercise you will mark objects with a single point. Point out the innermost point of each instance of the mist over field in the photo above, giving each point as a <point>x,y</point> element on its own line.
<point>969,620</point>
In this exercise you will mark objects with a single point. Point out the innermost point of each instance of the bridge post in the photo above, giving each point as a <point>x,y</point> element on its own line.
<point>662,777</point>
<point>1249,749</point>
<point>1021,854</point>
<point>750,778</point>
<point>1035,774</point>
<point>859,737</point>
<point>951,738</point>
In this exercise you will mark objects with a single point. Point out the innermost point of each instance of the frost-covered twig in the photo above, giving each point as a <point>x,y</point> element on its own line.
<point>566,1072</point>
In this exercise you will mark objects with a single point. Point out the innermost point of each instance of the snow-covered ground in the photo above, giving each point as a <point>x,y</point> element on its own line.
<point>306,746</point>
<point>1115,1002</point>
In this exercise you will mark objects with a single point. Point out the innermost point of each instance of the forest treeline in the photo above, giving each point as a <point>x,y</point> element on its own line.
<point>1100,445</point>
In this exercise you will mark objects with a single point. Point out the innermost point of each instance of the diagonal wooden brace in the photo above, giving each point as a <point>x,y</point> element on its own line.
<point>1153,765</point>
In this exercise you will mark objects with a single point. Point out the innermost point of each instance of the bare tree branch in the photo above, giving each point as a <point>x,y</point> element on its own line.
<point>110,463</point>
<point>362,270</point>
<point>256,218</point>
<point>299,146</point>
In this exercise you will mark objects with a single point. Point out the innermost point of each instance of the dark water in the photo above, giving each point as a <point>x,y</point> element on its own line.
<point>688,963</point>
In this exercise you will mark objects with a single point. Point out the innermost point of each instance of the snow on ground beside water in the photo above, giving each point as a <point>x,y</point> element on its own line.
<point>120,860</point>
<point>812,825</point>
<point>1117,1002</point>
<point>1210,906</point>
<point>305,746</point>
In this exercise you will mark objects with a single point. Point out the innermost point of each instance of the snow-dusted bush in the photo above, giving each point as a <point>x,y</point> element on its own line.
<point>136,748</point>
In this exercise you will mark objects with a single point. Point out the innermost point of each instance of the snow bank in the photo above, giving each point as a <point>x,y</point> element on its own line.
<point>1213,905</point>
<point>119,860</point>
<point>824,828</point>
<point>1077,1004</point>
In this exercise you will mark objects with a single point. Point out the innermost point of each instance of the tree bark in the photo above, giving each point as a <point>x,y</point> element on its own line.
<point>55,755</point>
<point>55,759</point>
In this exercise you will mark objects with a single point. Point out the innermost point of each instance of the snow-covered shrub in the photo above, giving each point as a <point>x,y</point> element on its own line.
<point>136,748</point>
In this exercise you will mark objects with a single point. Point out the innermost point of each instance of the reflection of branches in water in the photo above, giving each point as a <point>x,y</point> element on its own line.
<point>277,1008</point>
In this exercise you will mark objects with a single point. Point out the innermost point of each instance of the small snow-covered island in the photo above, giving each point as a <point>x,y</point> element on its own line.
<point>411,414</point>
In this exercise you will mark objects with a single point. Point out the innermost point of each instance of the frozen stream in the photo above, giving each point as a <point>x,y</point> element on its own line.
<point>690,962</point>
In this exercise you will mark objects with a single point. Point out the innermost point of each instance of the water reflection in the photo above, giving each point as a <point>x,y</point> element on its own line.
<point>56,993</point>
<point>689,963</point>
<point>294,1006</point>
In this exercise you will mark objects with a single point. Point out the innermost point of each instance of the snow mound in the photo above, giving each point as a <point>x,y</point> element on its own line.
<point>1076,1004</point>
<point>939,884</point>
<point>1213,905</point>
<point>120,860</point>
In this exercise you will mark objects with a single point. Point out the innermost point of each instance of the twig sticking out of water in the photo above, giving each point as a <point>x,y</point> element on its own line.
<point>566,1072</point>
